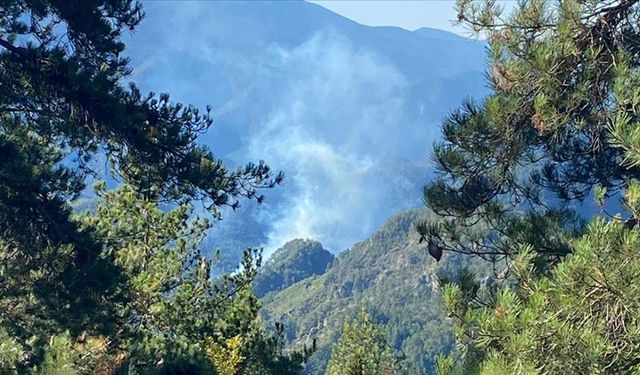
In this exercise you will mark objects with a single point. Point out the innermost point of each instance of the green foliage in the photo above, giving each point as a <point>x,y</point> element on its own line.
<point>583,318</point>
<point>59,359</point>
<point>52,277</point>
<point>172,304</point>
<point>175,314</point>
<point>560,125</point>
<point>172,315</point>
<point>124,289</point>
<point>391,276</point>
<point>363,349</point>
<point>226,358</point>
<point>296,260</point>
<point>560,121</point>
<point>10,352</point>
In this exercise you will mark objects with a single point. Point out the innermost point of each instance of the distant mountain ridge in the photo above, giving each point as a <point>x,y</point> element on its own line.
<point>347,111</point>
<point>431,33</point>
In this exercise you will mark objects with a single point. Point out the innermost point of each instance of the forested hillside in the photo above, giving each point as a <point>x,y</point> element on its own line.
<point>296,260</point>
<point>392,277</point>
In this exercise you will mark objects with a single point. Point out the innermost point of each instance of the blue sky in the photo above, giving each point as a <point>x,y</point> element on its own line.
<point>408,14</point>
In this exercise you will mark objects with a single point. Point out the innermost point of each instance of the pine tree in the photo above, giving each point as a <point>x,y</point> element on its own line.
<point>175,317</point>
<point>515,168</point>
<point>362,350</point>
<point>172,317</point>
<point>62,105</point>
<point>582,319</point>
<point>559,127</point>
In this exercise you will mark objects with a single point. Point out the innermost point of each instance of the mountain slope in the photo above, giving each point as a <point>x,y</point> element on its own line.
<point>392,277</point>
<point>347,111</point>
<point>296,260</point>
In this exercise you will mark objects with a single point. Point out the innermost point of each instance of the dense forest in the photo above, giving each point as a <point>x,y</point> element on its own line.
<point>522,262</point>
<point>393,278</point>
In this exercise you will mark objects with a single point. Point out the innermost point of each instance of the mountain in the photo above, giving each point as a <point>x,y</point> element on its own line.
<point>296,260</point>
<point>348,112</point>
<point>430,33</point>
<point>392,277</point>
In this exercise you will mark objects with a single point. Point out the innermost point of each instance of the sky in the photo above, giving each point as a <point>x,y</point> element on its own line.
<point>407,14</point>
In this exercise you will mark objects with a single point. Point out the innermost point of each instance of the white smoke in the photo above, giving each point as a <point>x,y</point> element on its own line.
<point>350,123</point>
<point>336,132</point>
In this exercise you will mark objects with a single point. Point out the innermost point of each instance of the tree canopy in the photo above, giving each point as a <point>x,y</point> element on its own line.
<point>124,287</point>
<point>580,320</point>
<point>517,173</point>
<point>62,102</point>
<point>362,350</point>
<point>559,122</point>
